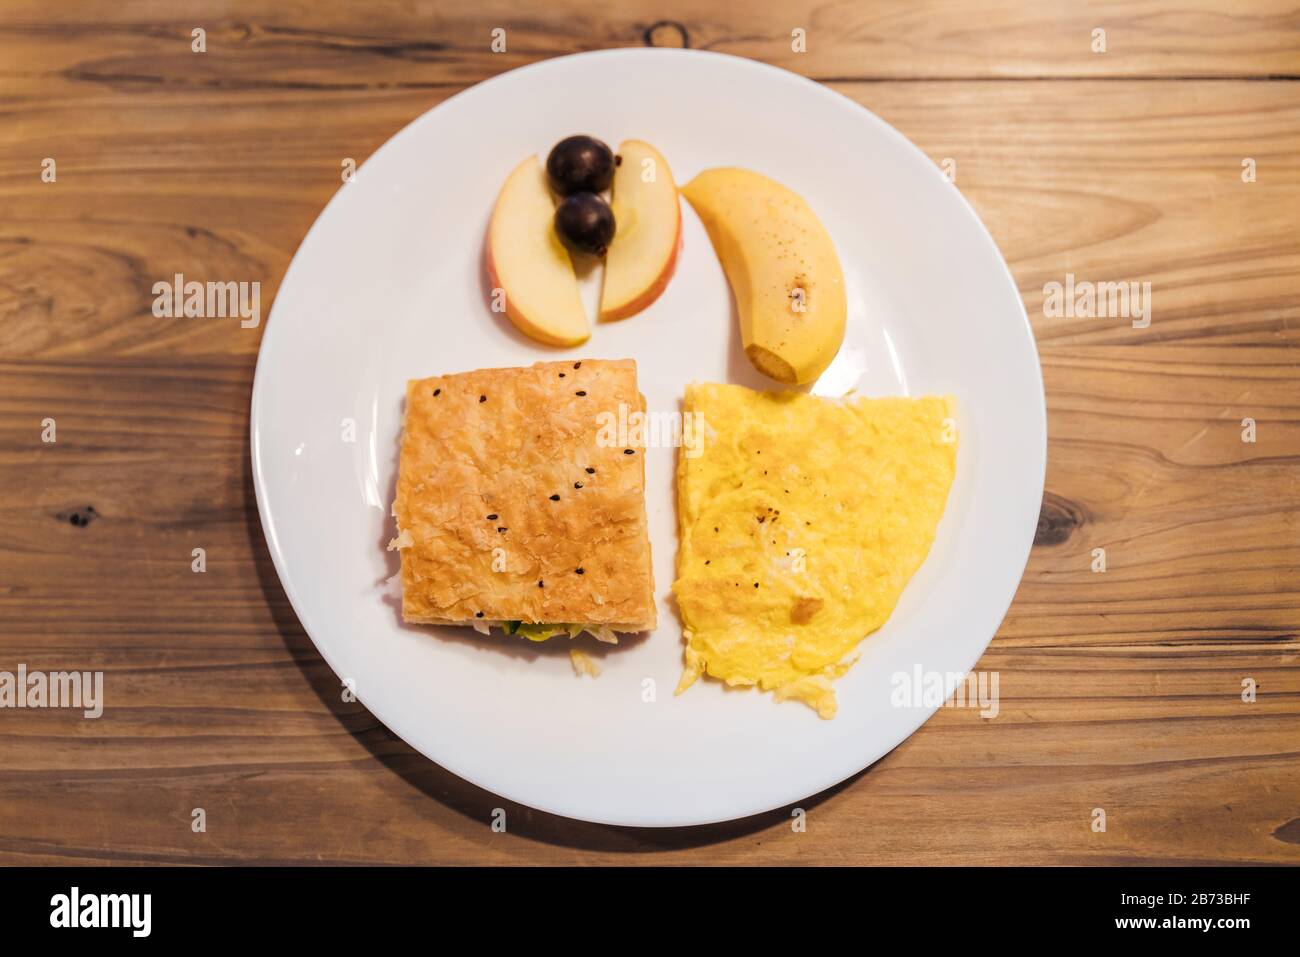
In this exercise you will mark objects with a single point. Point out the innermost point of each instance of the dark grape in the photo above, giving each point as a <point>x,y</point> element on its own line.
<point>580,164</point>
<point>585,223</point>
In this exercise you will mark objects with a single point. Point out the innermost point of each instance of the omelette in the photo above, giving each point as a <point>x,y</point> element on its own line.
<point>801,522</point>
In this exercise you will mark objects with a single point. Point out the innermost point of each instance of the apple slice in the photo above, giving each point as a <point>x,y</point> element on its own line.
<point>527,261</point>
<point>647,237</point>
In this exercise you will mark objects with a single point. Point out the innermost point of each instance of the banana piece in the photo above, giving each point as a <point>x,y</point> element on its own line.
<point>782,268</point>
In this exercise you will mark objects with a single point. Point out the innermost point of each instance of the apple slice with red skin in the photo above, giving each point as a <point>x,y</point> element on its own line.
<point>527,261</point>
<point>648,232</point>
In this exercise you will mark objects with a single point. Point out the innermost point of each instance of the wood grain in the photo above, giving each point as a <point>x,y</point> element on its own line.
<point>1119,690</point>
<point>306,45</point>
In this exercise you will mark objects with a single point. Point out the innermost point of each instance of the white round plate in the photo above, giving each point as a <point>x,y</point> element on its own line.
<point>389,285</point>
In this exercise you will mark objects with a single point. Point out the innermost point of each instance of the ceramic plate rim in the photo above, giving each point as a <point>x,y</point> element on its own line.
<point>1038,452</point>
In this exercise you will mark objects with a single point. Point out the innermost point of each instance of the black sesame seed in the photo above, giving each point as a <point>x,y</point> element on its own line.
<point>478,614</point>
<point>555,498</point>
<point>561,375</point>
<point>492,517</point>
<point>755,584</point>
<point>590,470</point>
<point>437,392</point>
<point>628,452</point>
<point>579,571</point>
<point>540,583</point>
<point>709,562</point>
<point>482,398</point>
<point>501,528</point>
<point>577,365</point>
<point>581,392</point>
<point>577,485</point>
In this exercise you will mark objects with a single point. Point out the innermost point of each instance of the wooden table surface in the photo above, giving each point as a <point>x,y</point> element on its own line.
<point>1120,690</point>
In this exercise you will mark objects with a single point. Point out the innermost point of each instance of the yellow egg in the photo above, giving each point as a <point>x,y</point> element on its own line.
<point>802,520</point>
